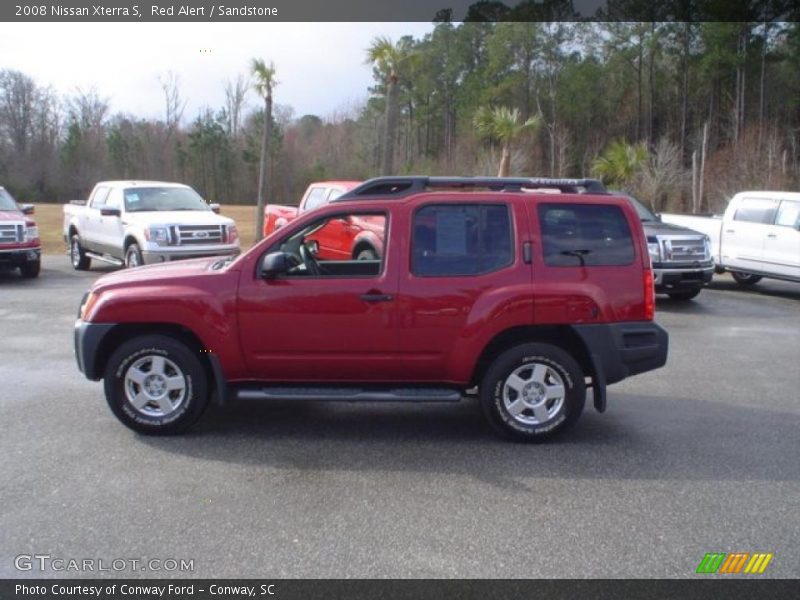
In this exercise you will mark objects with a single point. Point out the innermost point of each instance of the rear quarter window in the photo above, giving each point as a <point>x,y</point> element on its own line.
<point>575,235</point>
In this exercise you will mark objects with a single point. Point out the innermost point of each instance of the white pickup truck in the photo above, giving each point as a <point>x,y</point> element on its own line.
<point>758,236</point>
<point>133,223</point>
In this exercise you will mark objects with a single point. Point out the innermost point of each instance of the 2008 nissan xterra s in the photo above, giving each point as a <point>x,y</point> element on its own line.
<point>529,290</point>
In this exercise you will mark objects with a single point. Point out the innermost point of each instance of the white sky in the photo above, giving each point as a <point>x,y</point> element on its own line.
<point>320,66</point>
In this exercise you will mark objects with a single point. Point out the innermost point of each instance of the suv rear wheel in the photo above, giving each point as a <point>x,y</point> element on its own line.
<point>533,391</point>
<point>155,384</point>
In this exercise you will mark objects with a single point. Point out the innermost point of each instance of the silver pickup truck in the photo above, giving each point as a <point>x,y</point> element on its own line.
<point>133,223</point>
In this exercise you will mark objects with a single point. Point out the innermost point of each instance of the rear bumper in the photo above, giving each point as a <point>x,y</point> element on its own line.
<point>619,350</point>
<point>20,256</point>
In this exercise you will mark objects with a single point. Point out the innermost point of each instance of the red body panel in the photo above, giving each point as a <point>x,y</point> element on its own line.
<point>320,329</point>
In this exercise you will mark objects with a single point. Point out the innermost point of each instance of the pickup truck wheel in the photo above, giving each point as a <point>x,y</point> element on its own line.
<point>533,391</point>
<point>745,278</point>
<point>77,256</point>
<point>156,385</point>
<point>367,254</point>
<point>687,295</point>
<point>31,269</point>
<point>133,256</point>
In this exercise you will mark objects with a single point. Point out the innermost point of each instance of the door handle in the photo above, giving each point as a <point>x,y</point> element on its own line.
<point>772,236</point>
<point>377,297</point>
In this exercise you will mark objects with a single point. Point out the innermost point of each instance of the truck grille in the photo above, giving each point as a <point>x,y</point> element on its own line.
<point>684,249</point>
<point>199,235</point>
<point>11,233</point>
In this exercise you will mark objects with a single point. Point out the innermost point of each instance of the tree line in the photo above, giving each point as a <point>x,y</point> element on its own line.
<point>683,114</point>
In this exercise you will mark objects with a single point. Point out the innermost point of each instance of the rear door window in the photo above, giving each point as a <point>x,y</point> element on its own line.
<point>756,210</point>
<point>575,235</point>
<point>461,239</point>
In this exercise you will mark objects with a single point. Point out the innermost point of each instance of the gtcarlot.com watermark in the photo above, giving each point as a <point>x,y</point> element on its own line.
<point>47,563</point>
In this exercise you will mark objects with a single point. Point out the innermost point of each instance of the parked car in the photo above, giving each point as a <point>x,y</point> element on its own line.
<point>681,257</point>
<point>758,236</point>
<point>132,223</point>
<point>355,238</point>
<point>529,296</point>
<point>19,237</point>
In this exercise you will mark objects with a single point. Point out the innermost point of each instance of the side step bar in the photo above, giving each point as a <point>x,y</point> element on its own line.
<point>350,394</point>
<point>104,258</point>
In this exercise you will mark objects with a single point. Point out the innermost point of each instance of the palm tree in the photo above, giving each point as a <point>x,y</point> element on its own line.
<point>389,59</point>
<point>264,83</point>
<point>620,163</point>
<point>503,125</point>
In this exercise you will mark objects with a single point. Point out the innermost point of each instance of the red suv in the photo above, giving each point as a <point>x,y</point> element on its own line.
<point>499,285</point>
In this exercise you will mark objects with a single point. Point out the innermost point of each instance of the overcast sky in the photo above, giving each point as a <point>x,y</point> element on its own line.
<point>320,66</point>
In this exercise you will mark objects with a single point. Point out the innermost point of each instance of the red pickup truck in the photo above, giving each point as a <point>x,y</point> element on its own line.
<point>358,238</point>
<point>19,237</point>
<point>502,285</point>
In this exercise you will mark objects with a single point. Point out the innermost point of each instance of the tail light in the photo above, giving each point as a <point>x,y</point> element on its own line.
<point>649,295</point>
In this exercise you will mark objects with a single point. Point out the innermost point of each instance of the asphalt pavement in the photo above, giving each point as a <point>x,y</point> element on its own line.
<point>700,456</point>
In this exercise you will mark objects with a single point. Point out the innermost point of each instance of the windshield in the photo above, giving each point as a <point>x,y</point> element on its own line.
<point>163,198</point>
<point>6,201</point>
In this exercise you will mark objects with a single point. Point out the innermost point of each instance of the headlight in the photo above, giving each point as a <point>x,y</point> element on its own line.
<point>233,234</point>
<point>89,300</point>
<point>654,248</point>
<point>31,233</point>
<point>708,247</point>
<point>159,235</point>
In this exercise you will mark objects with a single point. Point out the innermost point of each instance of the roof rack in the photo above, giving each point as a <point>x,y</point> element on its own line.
<point>400,187</point>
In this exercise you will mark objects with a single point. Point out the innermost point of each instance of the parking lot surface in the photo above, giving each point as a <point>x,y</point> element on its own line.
<point>701,456</point>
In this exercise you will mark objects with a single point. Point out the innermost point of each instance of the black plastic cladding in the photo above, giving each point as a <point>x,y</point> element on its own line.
<point>400,187</point>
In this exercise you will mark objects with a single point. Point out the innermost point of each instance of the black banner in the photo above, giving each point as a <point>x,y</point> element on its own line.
<point>411,589</point>
<point>392,10</point>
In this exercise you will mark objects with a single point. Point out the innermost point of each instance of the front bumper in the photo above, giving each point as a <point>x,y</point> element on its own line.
<point>682,278</point>
<point>20,256</point>
<point>88,339</point>
<point>160,255</point>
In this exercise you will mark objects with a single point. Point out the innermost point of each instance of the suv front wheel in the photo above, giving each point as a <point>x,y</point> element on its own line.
<point>533,391</point>
<point>156,384</point>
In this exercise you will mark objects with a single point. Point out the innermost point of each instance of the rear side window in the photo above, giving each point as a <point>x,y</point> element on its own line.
<point>756,210</point>
<point>593,235</point>
<point>316,197</point>
<point>461,239</point>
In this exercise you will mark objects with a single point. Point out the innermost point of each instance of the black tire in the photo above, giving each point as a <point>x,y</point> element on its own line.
<point>30,270</point>
<point>133,256</point>
<point>367,254</point>
<point>557,368</point>
<point>683,296</point>
<point>745,278</point>
<point>159,362</point>
<point>77,255</point>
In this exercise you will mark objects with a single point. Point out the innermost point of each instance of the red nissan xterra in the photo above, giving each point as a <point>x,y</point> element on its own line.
<point>528,290</point>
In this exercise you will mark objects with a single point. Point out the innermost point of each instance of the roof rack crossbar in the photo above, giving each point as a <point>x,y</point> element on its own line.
<point>400,187</point>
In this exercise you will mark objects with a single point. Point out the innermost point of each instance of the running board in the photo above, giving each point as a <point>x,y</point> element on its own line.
<point>350,394</point>
<point>104,258</point>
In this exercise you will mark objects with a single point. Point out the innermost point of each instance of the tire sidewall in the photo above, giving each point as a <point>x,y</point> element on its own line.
<point>193,404</point>
<point>551,356</point>
<point>133,249</point>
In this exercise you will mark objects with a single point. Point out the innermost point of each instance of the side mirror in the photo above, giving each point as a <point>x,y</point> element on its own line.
<point>214,207</point>
<point>107,211</point>
<point>27,209</point>
<point>274,264</point>
<point>658,217</point>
